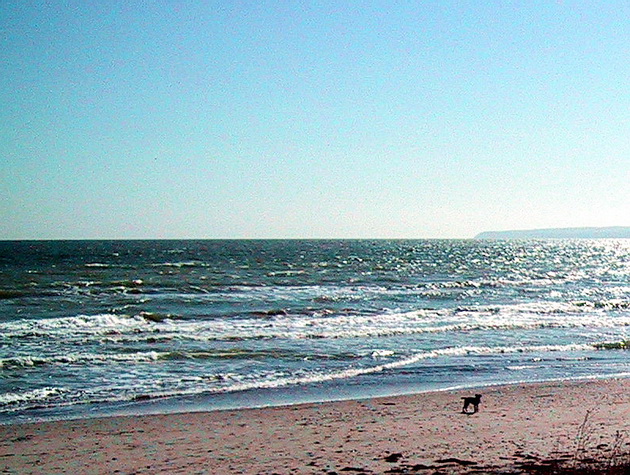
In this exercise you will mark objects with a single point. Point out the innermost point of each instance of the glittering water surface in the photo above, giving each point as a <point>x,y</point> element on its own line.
<point>232,323</point>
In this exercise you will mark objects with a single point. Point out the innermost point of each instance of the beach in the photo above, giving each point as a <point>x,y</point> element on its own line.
<point>86,326</point>
<point>233,356</point>
<point>517,425</point>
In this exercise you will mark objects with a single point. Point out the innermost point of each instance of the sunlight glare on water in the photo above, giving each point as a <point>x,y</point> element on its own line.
<point>84,324</point>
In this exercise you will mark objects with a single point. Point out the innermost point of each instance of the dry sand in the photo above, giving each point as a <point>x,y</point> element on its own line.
<point>424,433</point>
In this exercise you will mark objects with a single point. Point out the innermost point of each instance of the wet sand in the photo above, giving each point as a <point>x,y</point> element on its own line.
<point>516,426</point>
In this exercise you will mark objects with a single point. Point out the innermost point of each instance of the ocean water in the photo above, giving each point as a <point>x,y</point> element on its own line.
<point>111,327</point>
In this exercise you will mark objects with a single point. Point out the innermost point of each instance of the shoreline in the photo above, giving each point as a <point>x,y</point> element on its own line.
<point>517,424</point>
<point>268,399</point>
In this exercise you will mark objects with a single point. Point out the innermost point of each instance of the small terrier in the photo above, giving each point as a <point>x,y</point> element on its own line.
<point>471,400</point>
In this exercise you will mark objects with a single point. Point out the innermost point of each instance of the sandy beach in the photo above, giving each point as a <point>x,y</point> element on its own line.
<point>516,426</point>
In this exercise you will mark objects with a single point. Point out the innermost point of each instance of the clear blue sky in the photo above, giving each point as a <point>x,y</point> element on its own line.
<point>262,119</point>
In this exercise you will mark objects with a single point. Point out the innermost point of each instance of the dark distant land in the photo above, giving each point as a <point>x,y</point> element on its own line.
<point>616,232</point>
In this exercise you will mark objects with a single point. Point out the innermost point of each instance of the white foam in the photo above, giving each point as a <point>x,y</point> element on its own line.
<point>409,323</point>
<point>231,382</point>
<point>39,394</point>
<point>377,354</point>
<point>327,325</point>
<point>65,326</point>
<point>24,361</point>
<point>181,264</point>
<point>354,372</point>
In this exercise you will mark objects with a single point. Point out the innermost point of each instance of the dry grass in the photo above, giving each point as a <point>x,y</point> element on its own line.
<point>591,455</point>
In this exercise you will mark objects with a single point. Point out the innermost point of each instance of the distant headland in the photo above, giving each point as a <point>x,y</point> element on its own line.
<point>616,232</point>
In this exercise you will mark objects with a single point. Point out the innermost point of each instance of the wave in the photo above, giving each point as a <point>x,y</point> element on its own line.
<point>181,264</point>
<point>76,358</point>
<point>383,325</point>
<point>247,354</point>
<point>319,377</point>
<point>35,395</point>
<point>227,382</point>
<point>66,327</point>
<point>546,308</point>
<point>85,359</point>
<point>79,323</point>
<point>110,265</point>
<point>281,323</point>
<point>613,345</point>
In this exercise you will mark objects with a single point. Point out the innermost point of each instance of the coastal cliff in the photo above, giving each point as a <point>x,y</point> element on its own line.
<point>616,232</point>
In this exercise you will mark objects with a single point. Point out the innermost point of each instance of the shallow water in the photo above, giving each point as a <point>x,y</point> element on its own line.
<point>107,326</point>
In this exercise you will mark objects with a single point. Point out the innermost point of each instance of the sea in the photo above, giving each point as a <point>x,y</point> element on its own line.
<point>97,328</point>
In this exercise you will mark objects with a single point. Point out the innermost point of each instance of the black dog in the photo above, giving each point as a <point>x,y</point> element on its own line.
<point>471,400</point>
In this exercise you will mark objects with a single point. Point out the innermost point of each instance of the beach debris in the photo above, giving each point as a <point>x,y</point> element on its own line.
<point>393,458</point>
<point>465,463</point>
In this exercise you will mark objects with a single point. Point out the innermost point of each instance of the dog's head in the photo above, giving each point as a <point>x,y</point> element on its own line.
<point>478,396</point>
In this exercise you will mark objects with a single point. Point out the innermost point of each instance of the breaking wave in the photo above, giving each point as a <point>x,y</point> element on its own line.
<point>77,358</point>
<point>230,382</point>
<point>129,321</point>
<point>282,324</point>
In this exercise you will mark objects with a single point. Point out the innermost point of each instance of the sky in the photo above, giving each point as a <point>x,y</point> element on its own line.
<point>312,119</point>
